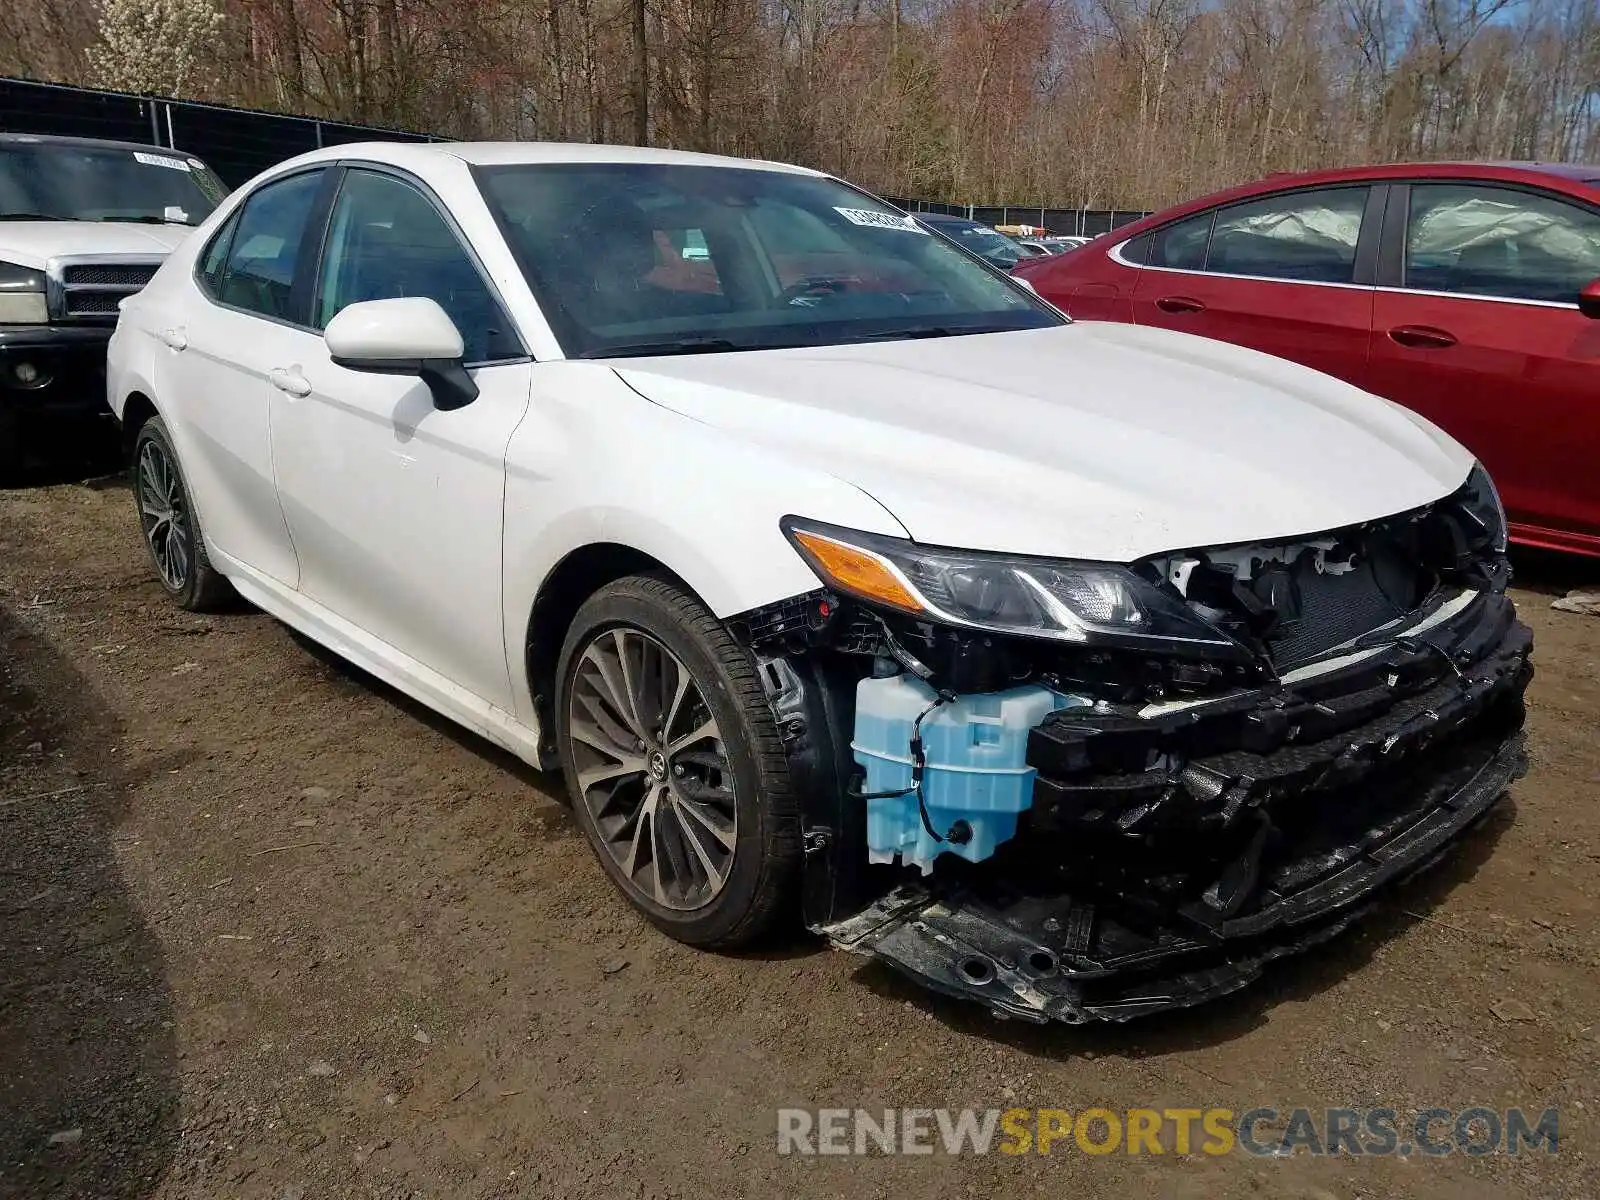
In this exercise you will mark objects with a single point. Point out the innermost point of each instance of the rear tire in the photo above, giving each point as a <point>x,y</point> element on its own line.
<point>675,767</point>
<point>170,524</point>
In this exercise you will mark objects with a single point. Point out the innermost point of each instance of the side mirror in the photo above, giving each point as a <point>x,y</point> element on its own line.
<point>409,335</point>
<point>1589,299</point>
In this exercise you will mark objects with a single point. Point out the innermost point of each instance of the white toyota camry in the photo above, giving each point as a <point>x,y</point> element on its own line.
<point>1077,668</point>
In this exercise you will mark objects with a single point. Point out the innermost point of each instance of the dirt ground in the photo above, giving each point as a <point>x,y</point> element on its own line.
<point>268,929</point>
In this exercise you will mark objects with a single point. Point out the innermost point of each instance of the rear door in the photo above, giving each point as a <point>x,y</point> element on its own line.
<point>1289,274</point>
<point>216,363</point>
<point>1478,328</point>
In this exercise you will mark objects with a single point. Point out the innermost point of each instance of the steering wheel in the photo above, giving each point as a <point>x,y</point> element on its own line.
<point>812,285</point>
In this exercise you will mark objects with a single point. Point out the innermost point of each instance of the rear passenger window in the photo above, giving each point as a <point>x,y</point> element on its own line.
<point>1182,246</point>
<point>1308,236</point>
<point>266,247</point>
<point>1137,250</point>
<point>1490,241</point>
<point>216,257</point>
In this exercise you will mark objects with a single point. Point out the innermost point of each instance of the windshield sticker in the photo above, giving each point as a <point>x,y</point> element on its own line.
<point>879,220</point>
<point>161,160</point>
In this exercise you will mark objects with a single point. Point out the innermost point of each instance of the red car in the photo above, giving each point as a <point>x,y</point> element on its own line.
<point>1464,291</point>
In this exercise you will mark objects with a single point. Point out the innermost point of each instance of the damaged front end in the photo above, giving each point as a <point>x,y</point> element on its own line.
<point>1099,824</point>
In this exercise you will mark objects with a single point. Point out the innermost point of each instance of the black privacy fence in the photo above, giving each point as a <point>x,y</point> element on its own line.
<point>236,142</point>
<point>239,142</point>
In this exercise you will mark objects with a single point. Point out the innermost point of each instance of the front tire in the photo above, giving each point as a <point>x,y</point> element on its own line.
<point>170,524</point>
<point>674,765</point>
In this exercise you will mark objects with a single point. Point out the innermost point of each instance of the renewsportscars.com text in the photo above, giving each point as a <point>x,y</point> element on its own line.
<point>1265,1132</point>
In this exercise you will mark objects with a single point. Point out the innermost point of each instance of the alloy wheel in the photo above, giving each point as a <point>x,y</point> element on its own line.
<point>162,513</point>
<point>652,769</point>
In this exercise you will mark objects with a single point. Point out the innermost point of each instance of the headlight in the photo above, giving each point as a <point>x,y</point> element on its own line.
<point>22,296</point>
<point>1084,602</point>
<point>1480,500</point>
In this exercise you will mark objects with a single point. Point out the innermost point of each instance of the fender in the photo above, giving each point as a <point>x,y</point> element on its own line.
<point>654,496</point>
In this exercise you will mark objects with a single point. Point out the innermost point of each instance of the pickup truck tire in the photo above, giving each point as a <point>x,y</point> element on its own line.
<point>170,524</point>
<point>675,767</point>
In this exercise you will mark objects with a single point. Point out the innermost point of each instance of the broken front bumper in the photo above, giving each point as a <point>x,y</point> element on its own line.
<point>1168,858</point>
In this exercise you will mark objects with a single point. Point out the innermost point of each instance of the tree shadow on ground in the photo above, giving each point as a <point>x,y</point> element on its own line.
<point>88,1066</point>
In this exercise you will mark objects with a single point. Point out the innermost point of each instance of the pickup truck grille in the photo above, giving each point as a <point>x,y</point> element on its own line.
<point>120,275</point>
<point>93,304</point>
<point>88,289</point>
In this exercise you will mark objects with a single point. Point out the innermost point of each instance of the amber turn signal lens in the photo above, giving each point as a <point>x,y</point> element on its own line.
<point>856,571</point>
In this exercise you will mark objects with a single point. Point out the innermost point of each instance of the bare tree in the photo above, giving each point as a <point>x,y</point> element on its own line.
<point>1131,103</point>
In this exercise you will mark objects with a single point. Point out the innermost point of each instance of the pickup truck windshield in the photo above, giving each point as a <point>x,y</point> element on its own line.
<point>664,258</point>
<point>58,181</point>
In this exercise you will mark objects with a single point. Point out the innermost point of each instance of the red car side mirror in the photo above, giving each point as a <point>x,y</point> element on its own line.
<point>1589,299</point>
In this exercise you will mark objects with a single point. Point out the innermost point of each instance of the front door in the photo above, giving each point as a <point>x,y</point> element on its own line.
<point>1484,338</point>
<point>397,508</point>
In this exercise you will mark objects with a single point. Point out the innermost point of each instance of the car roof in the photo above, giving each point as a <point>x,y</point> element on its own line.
<point>1444,170</point>
<point>506,154</point>
<point>1282,181</point>
<point>56,139</point>
<point>945,219</point>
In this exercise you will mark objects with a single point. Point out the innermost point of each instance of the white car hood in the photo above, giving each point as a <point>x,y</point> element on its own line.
<point>31,243</point>
<point>1095,440</point>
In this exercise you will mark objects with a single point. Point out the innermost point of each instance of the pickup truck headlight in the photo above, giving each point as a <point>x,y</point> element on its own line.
<point>1083,602</point>
<point>22,299</point>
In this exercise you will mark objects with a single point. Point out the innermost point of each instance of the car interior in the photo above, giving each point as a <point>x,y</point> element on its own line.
<point>1502,267</point>
<point>413,254</point>
<point>1236,252</point>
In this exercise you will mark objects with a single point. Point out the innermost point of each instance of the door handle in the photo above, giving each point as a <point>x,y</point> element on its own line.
<point>289,380</point>
<point>1422,337</point>
<point>1179,304</point>
<point>175,339</point>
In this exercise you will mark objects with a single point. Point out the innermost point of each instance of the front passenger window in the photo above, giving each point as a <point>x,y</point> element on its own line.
<point>1491,241</point>
<point>266,247</point>
<point>387,240</point>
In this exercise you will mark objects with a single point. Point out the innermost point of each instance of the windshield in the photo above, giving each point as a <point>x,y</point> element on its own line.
<point>63,182</point>
<point>986,243</point>
<point>654,258</point>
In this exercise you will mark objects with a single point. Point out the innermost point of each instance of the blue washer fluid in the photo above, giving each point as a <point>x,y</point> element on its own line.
<point>976,770</point>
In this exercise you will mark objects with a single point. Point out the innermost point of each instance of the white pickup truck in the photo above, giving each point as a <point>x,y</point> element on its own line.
<point>83,224</point>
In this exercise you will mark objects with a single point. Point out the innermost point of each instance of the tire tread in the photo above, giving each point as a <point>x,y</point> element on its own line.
<point>776,889</point>
<point>207,589</point>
